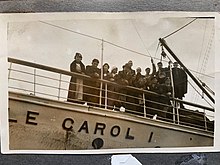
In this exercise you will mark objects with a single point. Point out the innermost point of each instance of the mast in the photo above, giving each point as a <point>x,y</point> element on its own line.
<point>163,42</point>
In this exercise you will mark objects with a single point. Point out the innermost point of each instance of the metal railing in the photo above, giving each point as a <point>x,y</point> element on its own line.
<point>109,95</point>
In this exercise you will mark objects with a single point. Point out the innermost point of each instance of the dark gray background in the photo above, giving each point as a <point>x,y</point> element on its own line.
<point>24,6</point>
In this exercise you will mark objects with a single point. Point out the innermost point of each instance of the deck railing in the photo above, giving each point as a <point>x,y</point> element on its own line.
<point>32,78</point>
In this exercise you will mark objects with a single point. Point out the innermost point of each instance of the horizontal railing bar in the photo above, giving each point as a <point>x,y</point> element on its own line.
<point>43,67</point>
<point>44,85</point>
<point>195,105</point>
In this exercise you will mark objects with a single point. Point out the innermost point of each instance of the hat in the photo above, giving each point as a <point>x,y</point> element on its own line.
<point>95,60</point>
<point>78,55</point>
<point>114,67</point>
<point>106,64</point>
<point>126,65</point>
<point>138,68</point>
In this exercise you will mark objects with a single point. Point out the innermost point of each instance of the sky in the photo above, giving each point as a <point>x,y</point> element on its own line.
<point>56,44</point>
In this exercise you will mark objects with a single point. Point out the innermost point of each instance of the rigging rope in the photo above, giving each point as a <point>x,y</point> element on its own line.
<point>140,37</point>
<point>200,94</point>
<point>111,43</point>
<point>158,45</point>
<point>179,28</point>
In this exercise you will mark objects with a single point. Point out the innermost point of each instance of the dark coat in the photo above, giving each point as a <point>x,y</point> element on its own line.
<point>139,81</point>
<point>162,75</point>
<point>91,94</point>
<point>180,82</point>
<point>72,85</point>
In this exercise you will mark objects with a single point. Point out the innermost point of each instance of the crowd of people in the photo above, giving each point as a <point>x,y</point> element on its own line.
<point>118,95</point>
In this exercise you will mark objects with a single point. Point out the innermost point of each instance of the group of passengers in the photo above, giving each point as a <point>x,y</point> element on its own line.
<point>130,98</point>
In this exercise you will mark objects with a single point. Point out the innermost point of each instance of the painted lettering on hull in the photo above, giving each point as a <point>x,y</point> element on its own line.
<point>99,128</point>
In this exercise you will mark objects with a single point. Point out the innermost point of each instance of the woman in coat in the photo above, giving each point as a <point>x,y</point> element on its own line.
<point>75,93</point>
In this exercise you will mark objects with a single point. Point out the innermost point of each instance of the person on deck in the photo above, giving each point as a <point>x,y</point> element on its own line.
<point>180,82</point>
<point>162,73</point>
<point>148,76</point>
<point>92,85</point>
<point>75,93</point>
<point>106,72</point>
<point>105,86</point>
<point>124,78</point>
<point>112,93</point>
<point>129,65</point>
<point>138,82</point>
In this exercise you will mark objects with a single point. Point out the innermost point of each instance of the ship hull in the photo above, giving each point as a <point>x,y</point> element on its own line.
<point>42,124</point>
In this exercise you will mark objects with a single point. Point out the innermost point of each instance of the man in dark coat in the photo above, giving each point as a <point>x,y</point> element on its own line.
<point>125,78</point>
<point>75,93</point>
<point>179,81</point>
<point>92,90</point>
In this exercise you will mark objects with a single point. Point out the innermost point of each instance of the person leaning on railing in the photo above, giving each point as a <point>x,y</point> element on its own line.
<point>124,78</point>
<point>159,104</point>
<point>75,93</point>
<point>91,88</point>
<point>113,89</point>
<point>105,86</point>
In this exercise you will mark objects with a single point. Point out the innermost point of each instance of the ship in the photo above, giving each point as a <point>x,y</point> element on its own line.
<point>39,120</point>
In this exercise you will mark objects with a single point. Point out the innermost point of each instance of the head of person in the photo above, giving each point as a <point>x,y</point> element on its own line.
<point>105,67</point>
<point>78,57</point>
<point>159,65</point>
<point>138,70</point>
<point>154,80</point>
<point>114,69</point>
<point>130,63</point>
<point>175,64</point>
<point>167,81</point>
<point>95,63</point>
<point>147,70</point>
<point>126,67</point>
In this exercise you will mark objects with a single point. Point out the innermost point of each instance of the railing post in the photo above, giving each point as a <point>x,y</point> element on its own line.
<point>34,81</point>
<point>205,120</point>
<point>9,71</point>
<point>59,86</point>
<point>100,94</point>
<point>106,95</point>
<point>177,113</point>
<point>173,94</point>
<point>145,112</point>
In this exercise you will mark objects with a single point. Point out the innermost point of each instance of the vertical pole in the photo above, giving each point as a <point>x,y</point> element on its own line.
<point>145,113</point>
<point>59,86</point>
<point>9,70</point>
<point>34,81</point>
<point>205,120</point>
<point>106,95</point>
<point>100,94</point>
<point>173,94</point>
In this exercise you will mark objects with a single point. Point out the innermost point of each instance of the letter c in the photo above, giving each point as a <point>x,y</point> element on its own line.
<point>64,124</point>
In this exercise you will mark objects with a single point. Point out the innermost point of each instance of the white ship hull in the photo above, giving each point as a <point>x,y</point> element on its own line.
<point>41,124</point>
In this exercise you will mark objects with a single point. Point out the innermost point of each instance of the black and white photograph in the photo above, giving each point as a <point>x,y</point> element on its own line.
<point>111,82</point>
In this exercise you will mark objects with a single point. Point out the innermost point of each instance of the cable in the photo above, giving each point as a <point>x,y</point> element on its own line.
<point>99,39</point>
<point>179,28</point>
<point>140,37</point>
<point>111,43</point>
<point>158,45</point>
<point>60,27</point>
<point>200,94</point>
